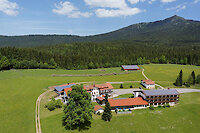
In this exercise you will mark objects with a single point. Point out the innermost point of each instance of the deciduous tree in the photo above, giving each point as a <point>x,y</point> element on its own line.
<point>78,111</point>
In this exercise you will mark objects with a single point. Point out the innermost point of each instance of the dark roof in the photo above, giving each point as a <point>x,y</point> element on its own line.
<point>60,88</point>
<point>130,67</point>
<point>161,92</point>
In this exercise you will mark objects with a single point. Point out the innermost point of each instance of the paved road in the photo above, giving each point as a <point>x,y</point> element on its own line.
<point>186,90</point>
<point>117,92</point>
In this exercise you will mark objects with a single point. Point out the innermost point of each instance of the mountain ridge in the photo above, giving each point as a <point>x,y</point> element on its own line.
<point>170,30</point>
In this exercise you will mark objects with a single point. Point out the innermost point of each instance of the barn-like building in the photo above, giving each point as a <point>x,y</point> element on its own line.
<point>130,67</point>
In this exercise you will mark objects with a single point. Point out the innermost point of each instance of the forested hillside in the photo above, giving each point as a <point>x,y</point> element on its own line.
<point>96,55</point>
<point>171,31</point>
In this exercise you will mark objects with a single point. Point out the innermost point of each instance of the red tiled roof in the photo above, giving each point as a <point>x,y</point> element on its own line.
<point>127,102</point>
<point>100,98</point>
<point>97,107</point>
<point>88,87</point>
<point>67,89</point>
<point>148,82</point>
<point>105,86</point>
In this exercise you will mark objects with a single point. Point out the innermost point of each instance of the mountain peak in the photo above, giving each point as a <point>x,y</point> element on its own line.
<point>175,18</point>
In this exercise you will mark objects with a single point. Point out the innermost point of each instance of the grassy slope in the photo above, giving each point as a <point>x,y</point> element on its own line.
<point>19,90</point>
<point>181,118</point>
<point>166,74</point>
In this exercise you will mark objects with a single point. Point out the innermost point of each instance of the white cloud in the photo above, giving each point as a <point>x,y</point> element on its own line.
<point>107,3</point>
<point>167,1</point>
<point>151,1</point>
<point>66,8</point>
<point>9,8</point>
<point>135,1</point>
<point>117,12</point>
<point>196,1</point>
<point>178,7</point>
<point>113,8</point>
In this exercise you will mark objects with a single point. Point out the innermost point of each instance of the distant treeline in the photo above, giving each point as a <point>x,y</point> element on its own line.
<point>96,55</point>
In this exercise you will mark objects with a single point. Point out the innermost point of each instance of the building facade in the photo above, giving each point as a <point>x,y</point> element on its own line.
<point>149,84</point>
<point>99,90</point>
<point>159,97</point>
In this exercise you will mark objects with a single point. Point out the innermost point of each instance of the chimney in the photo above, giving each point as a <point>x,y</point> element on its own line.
<point>93,84</point>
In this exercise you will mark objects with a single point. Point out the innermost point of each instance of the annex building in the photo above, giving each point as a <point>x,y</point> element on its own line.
<point>159,97</point>
<point>130,67</point>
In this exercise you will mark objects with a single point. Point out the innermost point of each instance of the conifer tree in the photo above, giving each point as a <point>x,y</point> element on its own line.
<point>121,86</point>
<point>179,80</point>
<point>193,78</point>
<point>107,114</point>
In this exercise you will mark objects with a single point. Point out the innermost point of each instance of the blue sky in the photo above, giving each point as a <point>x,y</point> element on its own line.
<point>87,17</point>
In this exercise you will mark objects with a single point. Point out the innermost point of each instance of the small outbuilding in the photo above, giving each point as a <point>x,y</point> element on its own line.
<point>97,109</point>
<point>149,84</point>
<point>130,67</point>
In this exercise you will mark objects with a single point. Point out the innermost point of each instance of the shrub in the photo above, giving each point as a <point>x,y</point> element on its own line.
<point>159,106</point>
<point>116,111</point>
<point>121,86</point>
<point>98,113</point>
<point>151,107</point>
<point>58,103</point>
<point>51,105</point>
<point>164,106</point>
<point>167,105</point>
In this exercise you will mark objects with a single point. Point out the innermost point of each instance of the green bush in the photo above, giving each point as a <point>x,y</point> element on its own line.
<point>121,86</point>
<point>98,113</point>
<point>58,103</point>
<point>151,107</point>
<point>167,105</point>
<point>159,106</point>
<point>116,111</point>
<point>164,106</point>
<point>51,105</point>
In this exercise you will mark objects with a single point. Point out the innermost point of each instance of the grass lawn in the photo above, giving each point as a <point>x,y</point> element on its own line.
<point>165,74</point>
<point>182,118</point>
<point>19,90</point>
<point>127,85</point>
<point>125,96</point>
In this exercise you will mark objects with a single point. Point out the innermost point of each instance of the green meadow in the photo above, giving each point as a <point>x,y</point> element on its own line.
<point>19,90</point>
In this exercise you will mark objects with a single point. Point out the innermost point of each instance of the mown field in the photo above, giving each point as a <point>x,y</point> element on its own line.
<point>166,75</point>
<point>19,90</point>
